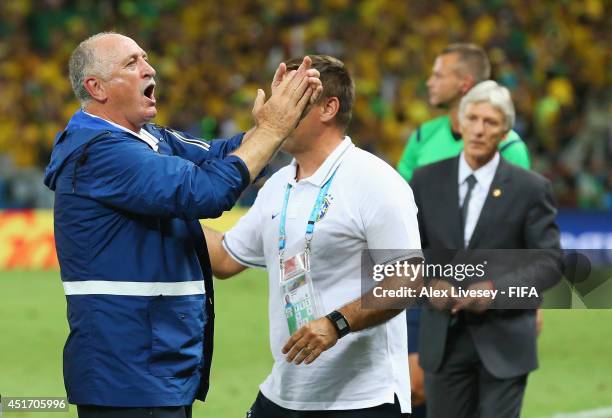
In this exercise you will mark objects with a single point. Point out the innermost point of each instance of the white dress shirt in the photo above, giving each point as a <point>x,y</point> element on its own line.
<point>484,177</point>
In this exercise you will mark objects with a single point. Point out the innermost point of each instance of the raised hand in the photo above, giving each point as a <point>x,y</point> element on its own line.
<point>315,82</point>
<point>291,93</point>
<point>278,116</point>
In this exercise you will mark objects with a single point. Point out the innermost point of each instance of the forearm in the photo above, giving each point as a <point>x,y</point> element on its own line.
<point>247,135</point>
<point>221,148</point>
<point>223,266</point>
<point>360,319</point>
<point>370,310</point>
<point>258,148</point>
<point>541,270</point>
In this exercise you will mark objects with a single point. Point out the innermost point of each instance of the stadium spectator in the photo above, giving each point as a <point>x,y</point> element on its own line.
<point>128,195</point>
<point>552,56</point>
<point>476,360</point>
<point>455,71</point>
<point>312,208</point>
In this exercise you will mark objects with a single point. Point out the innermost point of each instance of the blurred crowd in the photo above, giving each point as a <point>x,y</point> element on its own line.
<point>211,57</point>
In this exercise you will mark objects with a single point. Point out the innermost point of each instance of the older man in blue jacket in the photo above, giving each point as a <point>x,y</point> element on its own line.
<point>134,263</point>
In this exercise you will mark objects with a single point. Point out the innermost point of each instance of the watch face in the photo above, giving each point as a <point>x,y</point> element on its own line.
<point>342,323</point>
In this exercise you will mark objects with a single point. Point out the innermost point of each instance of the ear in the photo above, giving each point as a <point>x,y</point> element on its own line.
<point>467,83</point>
<point>95,88</point>
<point>330,108</point>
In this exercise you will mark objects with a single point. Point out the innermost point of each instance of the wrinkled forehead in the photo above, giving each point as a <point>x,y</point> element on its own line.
<point>485,109</point>
<point>114,48</point>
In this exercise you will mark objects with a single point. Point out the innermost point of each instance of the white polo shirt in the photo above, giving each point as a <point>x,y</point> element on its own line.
<point>370,207</point>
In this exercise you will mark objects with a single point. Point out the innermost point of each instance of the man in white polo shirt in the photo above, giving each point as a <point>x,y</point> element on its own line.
<point>315,218</point>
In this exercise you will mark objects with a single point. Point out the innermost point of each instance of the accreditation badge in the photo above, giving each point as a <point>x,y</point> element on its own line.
<point>298,291</point>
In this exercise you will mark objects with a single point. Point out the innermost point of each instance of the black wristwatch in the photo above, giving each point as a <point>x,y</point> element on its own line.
<point>340,323</point>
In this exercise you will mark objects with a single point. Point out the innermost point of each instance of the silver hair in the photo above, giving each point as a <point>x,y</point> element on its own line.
<point>493,93</point>
<point>85,61</point>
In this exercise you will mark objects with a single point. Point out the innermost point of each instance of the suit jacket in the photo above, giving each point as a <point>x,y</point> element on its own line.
<point>519,215</point>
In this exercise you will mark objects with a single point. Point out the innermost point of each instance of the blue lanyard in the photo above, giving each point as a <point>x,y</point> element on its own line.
<point>282,236</point>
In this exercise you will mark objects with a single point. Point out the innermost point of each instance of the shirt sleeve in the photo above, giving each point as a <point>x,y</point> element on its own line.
<point>244,242</point>
<point>128,175</point>
<point>408,162</point>
<point>389,217</point>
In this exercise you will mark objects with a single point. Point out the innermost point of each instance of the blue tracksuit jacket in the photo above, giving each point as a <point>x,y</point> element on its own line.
<point>133,259</point>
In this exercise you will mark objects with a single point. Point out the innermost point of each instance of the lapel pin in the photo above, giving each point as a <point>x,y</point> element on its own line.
<point>497,192</point>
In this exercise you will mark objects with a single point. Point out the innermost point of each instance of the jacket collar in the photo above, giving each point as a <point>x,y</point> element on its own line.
<point>143,135</point>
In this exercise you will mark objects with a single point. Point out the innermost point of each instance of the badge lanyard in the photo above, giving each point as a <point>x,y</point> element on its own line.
<point>282,237</point>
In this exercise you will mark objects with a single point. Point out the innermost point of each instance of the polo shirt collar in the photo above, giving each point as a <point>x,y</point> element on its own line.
<point>326,169</point>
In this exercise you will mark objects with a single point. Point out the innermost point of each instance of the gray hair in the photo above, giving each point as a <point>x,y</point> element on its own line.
<point>84,62</point>
<point>493,93</point>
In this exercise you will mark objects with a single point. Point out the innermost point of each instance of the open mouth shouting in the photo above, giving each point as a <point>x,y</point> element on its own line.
<point>149,91</point>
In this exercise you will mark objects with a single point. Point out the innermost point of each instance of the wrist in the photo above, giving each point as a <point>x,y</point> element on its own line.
<point>339,323</point>
<point>270,133</point>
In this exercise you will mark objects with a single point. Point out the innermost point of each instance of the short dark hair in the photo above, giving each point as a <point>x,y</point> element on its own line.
<point>474,57</point>
<point>337,82</point>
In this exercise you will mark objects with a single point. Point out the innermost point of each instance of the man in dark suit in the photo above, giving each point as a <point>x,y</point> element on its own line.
<point>476,359</point>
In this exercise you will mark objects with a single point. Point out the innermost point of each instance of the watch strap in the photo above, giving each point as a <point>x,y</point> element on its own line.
<point>340,323</point>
